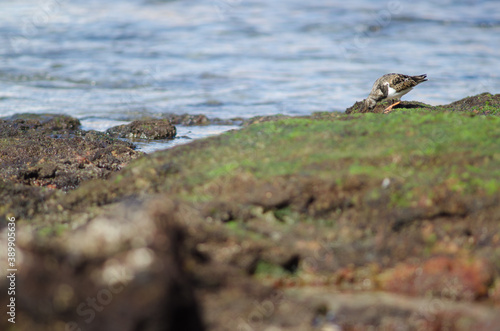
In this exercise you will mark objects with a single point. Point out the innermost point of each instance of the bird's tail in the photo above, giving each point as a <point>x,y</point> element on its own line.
<point>419,79</point>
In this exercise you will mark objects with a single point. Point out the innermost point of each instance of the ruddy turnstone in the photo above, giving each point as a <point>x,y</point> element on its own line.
<point>390,87</point>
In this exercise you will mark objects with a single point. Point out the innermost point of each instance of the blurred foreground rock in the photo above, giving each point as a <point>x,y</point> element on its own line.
<point>122,271</point>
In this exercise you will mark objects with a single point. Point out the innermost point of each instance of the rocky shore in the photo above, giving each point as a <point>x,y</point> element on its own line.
<point>334,221</point>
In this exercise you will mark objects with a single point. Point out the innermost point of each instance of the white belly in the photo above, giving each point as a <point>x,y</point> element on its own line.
<point>392,94</point>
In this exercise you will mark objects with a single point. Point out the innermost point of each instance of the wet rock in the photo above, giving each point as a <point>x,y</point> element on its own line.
<point>187,119</point>
<point>359,107</point>
<point>61,163</point>
<point>200,119</point>
<point>49,150</point>
<point>484,103</point>
<point>20,124</point>
<point>121,271</point>
<point>147,129</point>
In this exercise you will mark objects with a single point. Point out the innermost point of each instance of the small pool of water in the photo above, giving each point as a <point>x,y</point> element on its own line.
<point>185,134</point>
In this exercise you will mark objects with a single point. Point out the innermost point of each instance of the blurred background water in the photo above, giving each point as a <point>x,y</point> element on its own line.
<point>110,62</point>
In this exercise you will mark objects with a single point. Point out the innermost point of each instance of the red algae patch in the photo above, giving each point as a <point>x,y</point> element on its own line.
<point>442,276</point>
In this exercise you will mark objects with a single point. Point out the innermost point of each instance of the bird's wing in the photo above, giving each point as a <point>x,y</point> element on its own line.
<point>401,82</point>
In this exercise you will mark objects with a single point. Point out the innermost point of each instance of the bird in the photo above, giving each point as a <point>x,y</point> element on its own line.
<point>390,87</point>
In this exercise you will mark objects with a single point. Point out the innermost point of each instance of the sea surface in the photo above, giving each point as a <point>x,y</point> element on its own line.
<point>110,62</point>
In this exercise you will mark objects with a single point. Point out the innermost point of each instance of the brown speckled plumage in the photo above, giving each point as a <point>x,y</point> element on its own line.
<point>392,86</point>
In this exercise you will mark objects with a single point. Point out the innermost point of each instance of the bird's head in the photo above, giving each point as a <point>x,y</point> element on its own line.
<point>369,104</point>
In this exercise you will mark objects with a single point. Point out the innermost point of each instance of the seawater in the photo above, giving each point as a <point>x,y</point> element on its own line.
<point>111,62</point>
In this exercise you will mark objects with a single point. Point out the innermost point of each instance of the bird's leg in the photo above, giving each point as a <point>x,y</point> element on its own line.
<point>389,109</point>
